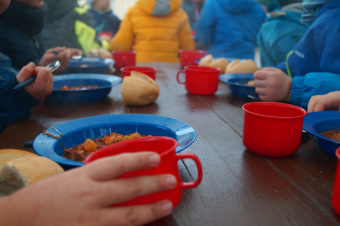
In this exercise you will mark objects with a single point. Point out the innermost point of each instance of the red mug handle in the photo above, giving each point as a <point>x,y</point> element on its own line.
<point>193,184</point>
<point>178,74</point>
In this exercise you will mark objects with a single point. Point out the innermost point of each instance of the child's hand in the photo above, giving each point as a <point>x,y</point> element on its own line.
<point>62,54</point>
<point>86,195</point>
<point>322,102</point>
<point>272,84</point>
<point>43,84</point>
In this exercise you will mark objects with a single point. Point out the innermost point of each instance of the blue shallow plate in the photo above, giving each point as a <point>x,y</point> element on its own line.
<point>105,83</point>
<point>318,122</point>
<point>77,131</point>
<point>90,65</point>
<point>236,84</point>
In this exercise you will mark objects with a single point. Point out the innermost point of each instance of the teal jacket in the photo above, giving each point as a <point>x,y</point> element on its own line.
<point>280,33</point>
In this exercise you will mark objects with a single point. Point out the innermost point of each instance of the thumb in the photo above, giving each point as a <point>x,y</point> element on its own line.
<point>26,72</point>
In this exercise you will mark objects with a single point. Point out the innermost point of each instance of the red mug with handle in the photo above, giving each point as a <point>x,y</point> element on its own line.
<point>199,80</point>
<point>336,188</point>
<point>188,57</point>
<point>149,71</point>
<point>166,148</point>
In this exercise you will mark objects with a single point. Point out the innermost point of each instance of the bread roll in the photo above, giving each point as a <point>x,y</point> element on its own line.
<point>238,67</point>
<point>206,60</point>
<point>139,89</point>
<point>99,53</point>
<point>221,63</point>
<point>20,168</point>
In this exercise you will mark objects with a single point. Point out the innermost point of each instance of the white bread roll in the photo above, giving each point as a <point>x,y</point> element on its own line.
<point>20,168</point>
<point>239,67</point>
<point>7,155</point>
<point>139,89</point>
<point>206,60</point>
<point>99,53</point>
<point>221,63</point>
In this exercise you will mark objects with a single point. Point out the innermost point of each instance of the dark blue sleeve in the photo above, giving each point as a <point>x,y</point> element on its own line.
<point>15,105</point>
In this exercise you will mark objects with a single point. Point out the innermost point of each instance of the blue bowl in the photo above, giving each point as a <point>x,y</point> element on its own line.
<point>318,122</point>
<point>90,65</point>
<point>77,131</point>
<point>105,83</point>
<point>236,84</point>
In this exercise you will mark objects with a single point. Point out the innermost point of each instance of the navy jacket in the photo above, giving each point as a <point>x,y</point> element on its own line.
<point>105,21</point>
<point>15,105</point>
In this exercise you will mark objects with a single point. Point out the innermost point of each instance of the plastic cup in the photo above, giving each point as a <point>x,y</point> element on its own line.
<point>199,79</point>
<point>272,129</point>
<point>124,59</point>
<point>149,71</point>
<point>165,147</point>
<point>336,188</point>
<point>188,57</point>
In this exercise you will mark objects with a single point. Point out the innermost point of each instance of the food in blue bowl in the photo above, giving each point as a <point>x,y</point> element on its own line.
<point>90,65</point>
<point>241,85</point>
<point>52,142</point>
<point>82,87</point>
<point>324,126</point>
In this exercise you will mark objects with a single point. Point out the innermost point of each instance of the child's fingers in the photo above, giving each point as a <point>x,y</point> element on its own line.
<point>26,72</point>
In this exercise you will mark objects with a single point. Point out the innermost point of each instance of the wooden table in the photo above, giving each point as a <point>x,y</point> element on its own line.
<point>238,187</point>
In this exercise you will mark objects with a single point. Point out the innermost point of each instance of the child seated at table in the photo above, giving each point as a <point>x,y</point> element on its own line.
<point>281,31</point>
<point>323,102</point>
<point>156,30</point>
<point>313,66</point>
<point>229,27</point>
<point>107,24</point>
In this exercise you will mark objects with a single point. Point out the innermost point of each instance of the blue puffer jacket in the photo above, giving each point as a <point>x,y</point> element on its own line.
<point>15,105</point>
<point>230,27</point>
<point>314,63</point>
<point>280,33</point>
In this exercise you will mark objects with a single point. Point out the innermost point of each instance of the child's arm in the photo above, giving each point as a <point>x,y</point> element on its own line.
<point>124,38</point>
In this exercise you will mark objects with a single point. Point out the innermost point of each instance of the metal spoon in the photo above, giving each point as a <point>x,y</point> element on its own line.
<point>77,57</point>
<point>252,97</point>
<point>52,66</point>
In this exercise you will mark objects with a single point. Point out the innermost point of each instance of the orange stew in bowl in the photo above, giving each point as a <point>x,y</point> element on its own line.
<point>81,151</point>
<point>333,134</point>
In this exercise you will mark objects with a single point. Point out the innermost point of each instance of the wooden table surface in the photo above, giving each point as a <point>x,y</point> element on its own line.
<point>238,187</point>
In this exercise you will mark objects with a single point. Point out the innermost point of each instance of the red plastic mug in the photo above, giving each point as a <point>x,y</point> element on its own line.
<point>124,58</point>
<point>149,71</point>
<point>272,129</point>
<point>165,147</point>
<point>336,188</point>
<point>188,57</point>
<point>200,79</point>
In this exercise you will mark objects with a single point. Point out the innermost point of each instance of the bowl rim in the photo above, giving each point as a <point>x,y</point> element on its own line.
<point>184,133</point>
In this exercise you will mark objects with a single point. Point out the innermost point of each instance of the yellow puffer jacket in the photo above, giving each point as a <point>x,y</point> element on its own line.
<point>156,30</point>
